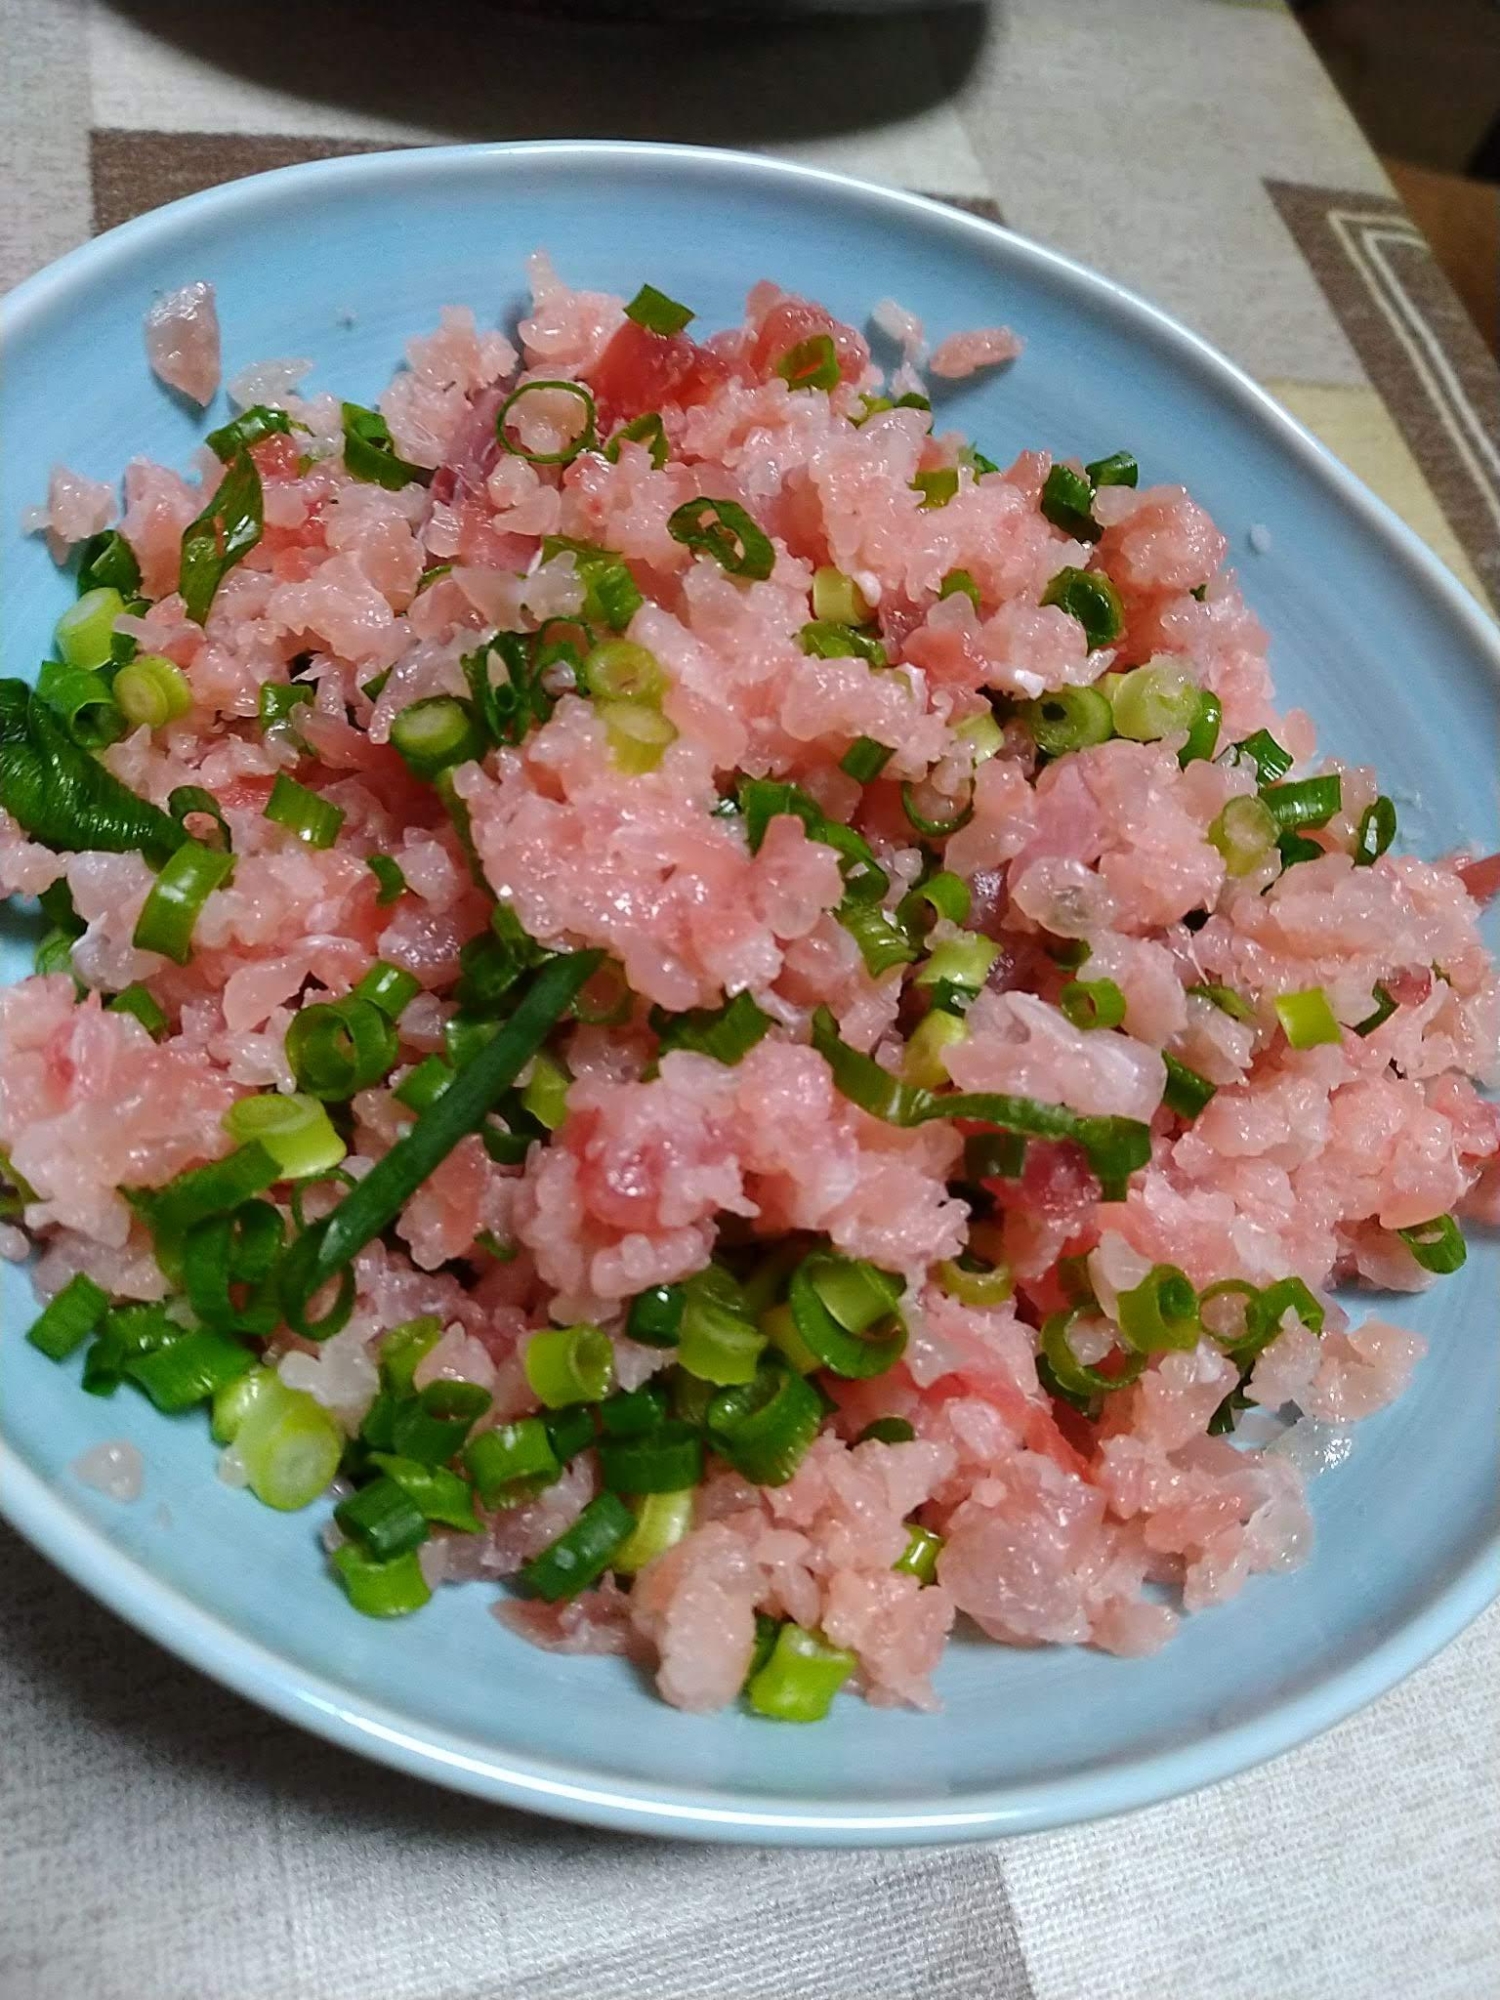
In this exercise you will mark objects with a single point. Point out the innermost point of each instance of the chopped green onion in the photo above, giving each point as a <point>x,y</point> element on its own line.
<point>937,487</point>
<point>1089,596</point>
<point>296,1131</point>
<point>973,1283</point>
<point>1271,761</point>
<point>846,1312</point>
<point>226,1261</point>
<point>314,820</point>
<point>425,1084</point>
<point>1306,1018</point>
<point>1307,802</point>
<point>633,1412</point>
<point>139,1001</point>
<point>289,1444</point>
<point>1067,502</point>
<point>620,670</point>
<point>190,1370</point>
<point>824,640</point>
<point>570,1431</point>
<point>222,535</point>
<point>1186,1092</point>
<point>586,440</point>
<point>127,1330</point>
<point>1264,1313</point>
<point>1438,1246</point>
<point>887,1430</point>
<point>436,733</point>
<point>513,1461</point>
<point>1203,730</point>
<point>152,691</point>
<point>433,1425</point>
<point>381,1589</point>
<point>924,1062</point>
<point>960,580</point>
<point>647,429</point>
<point>611,595</point>
<point>68,1318</point>
<point>1072,1377</point>
<point>662,1519</point>
<point>65,798</point>
<point>1154,701</point>
<point>882,943</point>
<point>1225,999</point>
<point>764,1426</point>
<point>1119,469</point>
<point>935,829</point>
<point>717,1343</point>
<point>403,1346</point>
<point>171,910</point>
<point>212,1190</point>
<point>463,1107</point>
<point>920,1556</point>
<point>1070,718</point>
<point>370,451</point>
<point>336,1048</point>
<point>1244,833</point>
<point>837,599</point>
<point>800,1679</point>
<point>389,987</point>
<point>186,801</point>
<point>865,759</point>
<point>248,428</point>
<point>1092,1003</point>
<point>569,1364</point>
<point>84,631</point>
<point>945,893</point>
<point>638,734</point>
<point>726,1033</point>
<point>657,313</point>
<point>668,1459</point>
<point>655,1316</point>
<point>384,1517</point>
<point>722,529</point>
<point>812,364</point>
<point>1385,1006</point>
<point>390,880</point>
<point>1160,1313</point>
<point>545,1093</point>
<point>1376,831</point>
<point>440,1495</point>
<point>580,1556</point>
<point>85,702</point>
<point>107,561</point>
<point>233,1404</point>
<point>278,699</point>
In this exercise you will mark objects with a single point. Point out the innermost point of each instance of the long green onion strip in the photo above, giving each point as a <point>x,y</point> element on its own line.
<point>1187,1092</point>
<point>764,1427</point>
<point>657,313</point>
<point>315,820</point>
<point>65,798</point>
<point>1438,1246</point>
<point>222,535</point>
<point>370,453</point>
<point>587,438</point>
<point>1376,831</point>
<point>865,759</point>
<point>326,1250</point>
<point>187,801</point>
<point>1089,596</point>
<point>647,429</point>
<point>726,1033</point>
<point>722,529</point>
<point>1116,1147</point>
<point>176,898</point>
<point>846,1313</point>
<point>580,1556</point>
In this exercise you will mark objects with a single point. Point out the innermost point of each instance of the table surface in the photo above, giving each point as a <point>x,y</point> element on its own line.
<point>161,1840</point>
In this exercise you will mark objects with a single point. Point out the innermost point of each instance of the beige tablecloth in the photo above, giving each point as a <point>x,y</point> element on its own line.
<point>160,1840</point>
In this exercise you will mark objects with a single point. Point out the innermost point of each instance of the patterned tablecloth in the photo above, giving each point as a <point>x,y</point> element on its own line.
<point>159,1839</point>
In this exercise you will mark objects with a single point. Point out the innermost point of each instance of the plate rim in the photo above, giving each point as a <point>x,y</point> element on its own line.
<point>64,1534</point>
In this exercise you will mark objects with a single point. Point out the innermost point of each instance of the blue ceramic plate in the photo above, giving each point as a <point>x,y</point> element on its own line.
<point>341,261</point>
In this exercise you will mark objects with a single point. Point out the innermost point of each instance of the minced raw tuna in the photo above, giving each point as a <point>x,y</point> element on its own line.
<point>756,1026</point>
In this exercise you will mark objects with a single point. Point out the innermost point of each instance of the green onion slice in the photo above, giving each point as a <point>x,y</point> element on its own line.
<point>887,1430</point>
<point>920,1556</point>
<point>378,1589</point>
<point>812,364</point>
<point>846,1312</point>
<point>569,1364</point>
<point>865,759</point>
<point>1118,469</point>
<point>370,451</point>
<point>1376,831</point>
<point>825,639</point>
<point>106,561</point>
<point>190,1370</point>
<point>647,429</point>
<point>1092,1003</point>
<point>1068,719</point>
<point>587,438</point>
<point>1271,761</point>
<point>1089,596</point>
<point>68,1318</point>
<point>1067,502</point>
<point>143,1004</point>
<point>85,702</point>
<point>336,1048</point>
<point>185,801</point>
<point>935,829</point>
<point>726,1033</point>
<point>1307,1019</point>
<point>662,1519</point>
<point>389,879</point>
<point>1160,1313</point>
<point>186,881</point>
<point>1187,1092</point>
<point>1072,1376</point>
<point>389,987</point>
<point>580,1556</point>
<point>384,1518</point>
<point>657,313</point>
<point>1235,1005</point>
<point>717,1341</point>
<point>801,1677</point>
<point>513,1461</point>
<point>296,1131</point>
<point>1385,1006</point>
<point>764,1427</point>
<point>277,700</point>
<point>655,1316</point>
<point>722,529</point>
<point>1438,1246</point>
<point>668,1459</point>
<point>1306,802</point>
<point>315,821</point>
<point>436,733</point>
